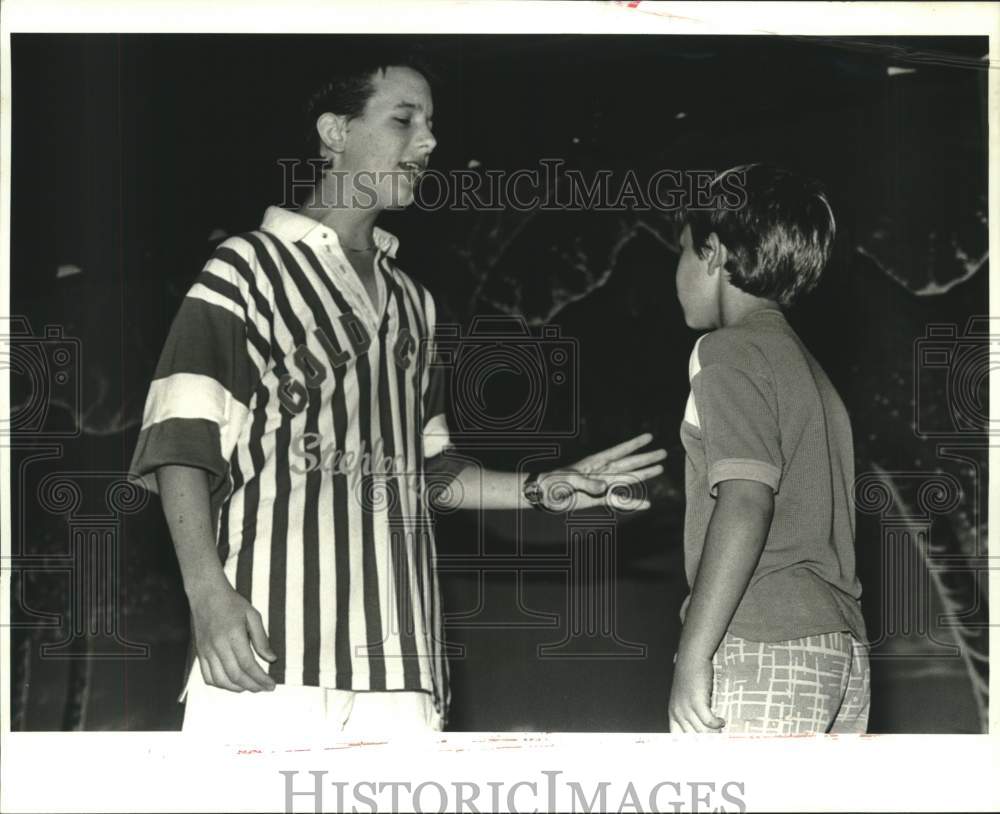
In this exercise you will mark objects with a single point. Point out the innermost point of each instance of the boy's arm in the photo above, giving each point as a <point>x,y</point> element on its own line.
<point>224,623</point>
<point>736,535</point>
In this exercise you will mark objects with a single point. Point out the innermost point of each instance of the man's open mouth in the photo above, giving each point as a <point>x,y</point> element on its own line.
<point>413,169</point>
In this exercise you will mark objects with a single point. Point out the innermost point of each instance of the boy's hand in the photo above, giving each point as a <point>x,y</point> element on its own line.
<point>593,481</point>
<point>225,625</point>
<point>690,697</point>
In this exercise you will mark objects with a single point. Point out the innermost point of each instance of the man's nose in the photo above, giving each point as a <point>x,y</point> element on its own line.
<point>426,140</point>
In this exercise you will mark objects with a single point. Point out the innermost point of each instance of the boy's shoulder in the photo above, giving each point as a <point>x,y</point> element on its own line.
<point>739,346</point>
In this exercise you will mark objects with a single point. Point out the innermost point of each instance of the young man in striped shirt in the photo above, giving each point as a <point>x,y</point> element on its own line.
<point>292,430</point>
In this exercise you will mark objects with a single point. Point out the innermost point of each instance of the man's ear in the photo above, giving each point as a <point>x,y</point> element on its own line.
<point>717,254</point>
<point>332,131</point>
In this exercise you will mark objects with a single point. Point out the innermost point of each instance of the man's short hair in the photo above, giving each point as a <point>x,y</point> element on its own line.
<point>348,84</point>
<point>779,240</point>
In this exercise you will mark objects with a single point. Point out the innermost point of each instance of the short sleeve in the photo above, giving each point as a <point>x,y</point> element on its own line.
<point>214,356</point>
<point>739,426</point>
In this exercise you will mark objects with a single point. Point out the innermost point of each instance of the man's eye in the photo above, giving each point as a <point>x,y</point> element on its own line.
<point>402,121</point>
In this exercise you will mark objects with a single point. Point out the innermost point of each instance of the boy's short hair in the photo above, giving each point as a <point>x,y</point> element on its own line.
<point>778,240</point>
<point>348,84</point>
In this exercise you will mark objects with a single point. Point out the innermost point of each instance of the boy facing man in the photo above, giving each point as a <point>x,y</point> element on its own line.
<point>314,599</point>
<point>773,638</point>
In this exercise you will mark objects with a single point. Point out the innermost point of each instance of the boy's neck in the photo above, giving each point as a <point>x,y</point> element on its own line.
<point>736,305</point>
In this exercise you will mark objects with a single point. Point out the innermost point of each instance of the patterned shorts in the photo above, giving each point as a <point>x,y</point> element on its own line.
<point>815,684</point>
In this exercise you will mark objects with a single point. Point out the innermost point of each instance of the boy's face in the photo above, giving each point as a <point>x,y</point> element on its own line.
<point>388,146</point>
<point>697,286</point>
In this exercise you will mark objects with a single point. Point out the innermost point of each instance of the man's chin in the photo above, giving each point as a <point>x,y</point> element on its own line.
<point>400,202</point>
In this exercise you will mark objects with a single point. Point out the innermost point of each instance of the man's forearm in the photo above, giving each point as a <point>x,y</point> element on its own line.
<point>477,488</point>
<point>736,535</point>
<point>184,493</point>
<point>596,480</point>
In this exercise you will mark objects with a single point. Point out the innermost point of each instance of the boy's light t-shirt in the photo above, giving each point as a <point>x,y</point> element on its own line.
<point>761,408</point>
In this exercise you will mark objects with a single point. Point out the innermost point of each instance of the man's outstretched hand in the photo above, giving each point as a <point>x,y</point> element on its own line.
<point>602,479</point>
<point>225,627</point>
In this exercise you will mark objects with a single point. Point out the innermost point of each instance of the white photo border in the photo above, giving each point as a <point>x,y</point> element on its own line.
<point>165,772</point>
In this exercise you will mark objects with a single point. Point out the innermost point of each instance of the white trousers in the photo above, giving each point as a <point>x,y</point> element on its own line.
<point>290,712</point>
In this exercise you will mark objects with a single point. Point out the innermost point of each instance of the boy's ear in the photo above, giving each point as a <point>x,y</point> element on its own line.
<point>717,254</point>
<point>332,131</point>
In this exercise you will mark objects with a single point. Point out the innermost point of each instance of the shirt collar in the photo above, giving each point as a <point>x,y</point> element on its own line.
<point>762,313</point>
<point>292,226</point>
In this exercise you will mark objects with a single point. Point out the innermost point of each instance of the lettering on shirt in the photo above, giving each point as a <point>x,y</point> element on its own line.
<point>294,393</point>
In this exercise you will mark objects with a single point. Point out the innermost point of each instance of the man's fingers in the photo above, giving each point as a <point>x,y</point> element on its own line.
<point>251,669</point>
<point>581,500</point>
<point>636,461</point>
<point>569,490</point>
<point>235,673</point>
<point>625,504</point>
<point>258,636</point>
<point>206,671</point>
<point>635,477</point>
<point>219,675</point>
<point>592,486</point>
<point>619,451</point>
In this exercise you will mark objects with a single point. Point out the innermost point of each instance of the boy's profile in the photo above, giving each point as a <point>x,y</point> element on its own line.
<point>313,593</point>
<point>773,638</point>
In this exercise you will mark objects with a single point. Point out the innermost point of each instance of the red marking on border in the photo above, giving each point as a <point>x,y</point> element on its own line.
<point>354,744</point>
<point>634,4</point>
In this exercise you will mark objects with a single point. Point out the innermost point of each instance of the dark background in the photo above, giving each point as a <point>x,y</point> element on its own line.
<point>134,155</point>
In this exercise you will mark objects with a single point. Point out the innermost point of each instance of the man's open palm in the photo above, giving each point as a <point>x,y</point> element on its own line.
<point>604,478</point>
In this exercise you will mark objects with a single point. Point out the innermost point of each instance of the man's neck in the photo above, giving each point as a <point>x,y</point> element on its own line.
<point>354,227</point>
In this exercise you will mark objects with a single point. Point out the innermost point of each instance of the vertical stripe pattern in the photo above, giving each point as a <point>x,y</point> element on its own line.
<point>322,524</point>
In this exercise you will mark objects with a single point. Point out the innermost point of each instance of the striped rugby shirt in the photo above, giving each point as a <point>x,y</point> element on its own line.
<point>314,413</point>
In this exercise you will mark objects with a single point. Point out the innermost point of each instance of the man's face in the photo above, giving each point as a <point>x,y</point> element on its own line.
<point>389,144</point>
<point>697,288</point>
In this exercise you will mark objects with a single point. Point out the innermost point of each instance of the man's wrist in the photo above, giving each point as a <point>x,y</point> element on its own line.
<point>533,493</point>
<point>205,584</point>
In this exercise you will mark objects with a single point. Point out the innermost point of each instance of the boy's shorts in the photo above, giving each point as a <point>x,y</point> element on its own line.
<point>290,712</point>
<point>816,684</point>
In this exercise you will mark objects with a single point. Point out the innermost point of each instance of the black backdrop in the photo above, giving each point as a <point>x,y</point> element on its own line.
<point>133,155</point>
